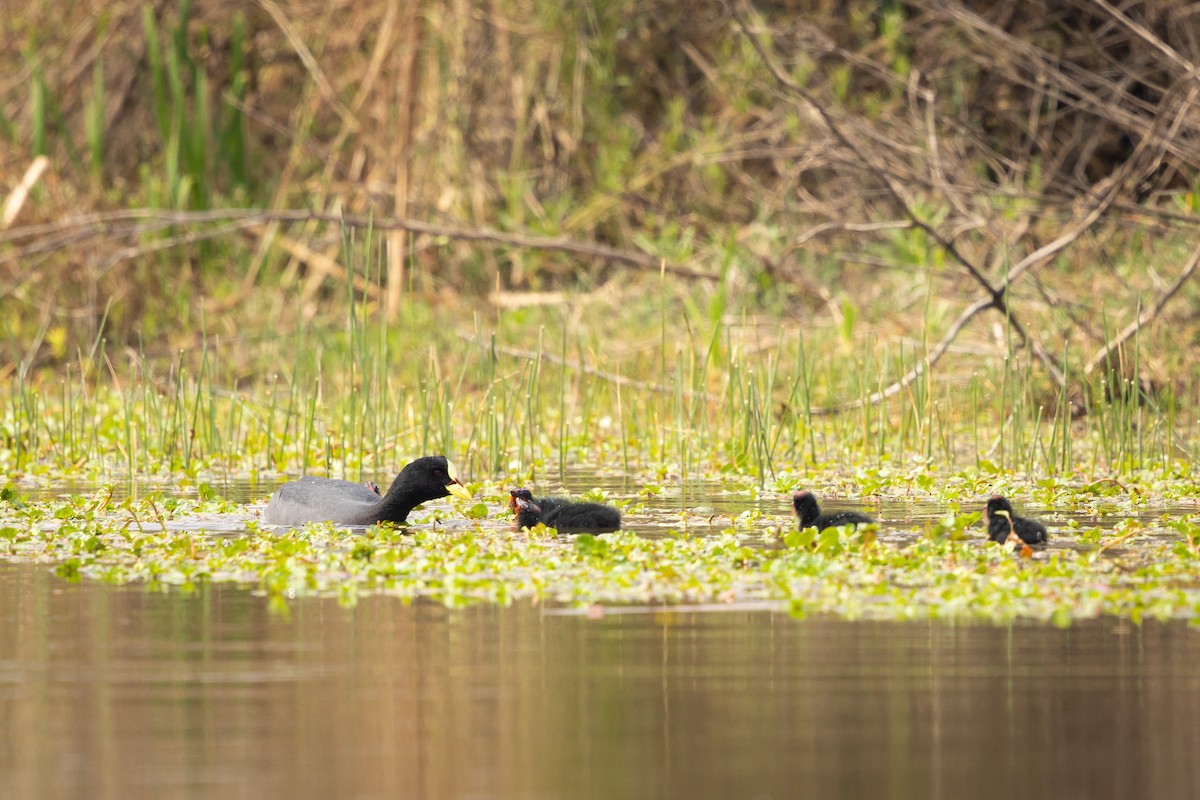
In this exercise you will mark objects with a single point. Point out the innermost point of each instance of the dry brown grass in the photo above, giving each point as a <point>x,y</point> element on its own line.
<point>852,148</point>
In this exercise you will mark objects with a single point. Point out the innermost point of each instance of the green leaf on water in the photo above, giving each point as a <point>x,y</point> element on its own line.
<point>476,511</point>
<point>800,538</point>
<point>591,545</point>
<point>829,542</point>
<point>69,570</point>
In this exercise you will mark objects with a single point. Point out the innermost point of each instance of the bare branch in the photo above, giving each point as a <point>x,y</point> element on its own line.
<point>611,377</point>
<point>310,63</point>
<point>1146,317</point>
<point>12,206</point>
<point>1075,87</point>
<point>934,355</point>
<point>1159,136</point>
<point>1139,30</point>
<point>113,224</point>
<point>900,195</point>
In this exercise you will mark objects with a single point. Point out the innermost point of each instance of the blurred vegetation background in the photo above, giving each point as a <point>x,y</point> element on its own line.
<point>826,164</point>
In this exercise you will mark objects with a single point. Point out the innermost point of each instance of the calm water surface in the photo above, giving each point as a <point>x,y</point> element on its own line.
<point>122,693</point>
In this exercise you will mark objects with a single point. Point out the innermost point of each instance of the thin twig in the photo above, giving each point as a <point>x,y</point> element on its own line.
<point>1141,32</point>
<point>611,377</point>
<point>849,227</point>
<point>102,225</point>
<point>934,355</point>
<point>16,199</point>
<point>1146,317</point>
<point>310,63</point>
<point>1087,91</point>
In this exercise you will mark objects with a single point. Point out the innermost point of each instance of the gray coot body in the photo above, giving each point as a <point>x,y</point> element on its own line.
<point>568,517</point>
<point>312,499</point>
<point>808,511</point>
<point>1029,531</point>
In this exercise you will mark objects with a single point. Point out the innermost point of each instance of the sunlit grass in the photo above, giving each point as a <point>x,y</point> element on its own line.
<point>544,389</point>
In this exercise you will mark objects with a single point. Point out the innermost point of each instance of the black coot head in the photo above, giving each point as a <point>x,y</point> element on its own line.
<point>429,477</point>
<point>806,507</point>
<point>997,503</point>
<point>528,513</point>
<point>525,504</point>
<point>516,495</point>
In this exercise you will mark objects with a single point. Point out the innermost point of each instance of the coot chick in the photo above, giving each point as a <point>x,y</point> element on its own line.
<point>568,517</point>
<point>373,486</point>
<point>312,499</point>
<point>808,511</point>
<point>1002,521</point>
<point>546,504</point>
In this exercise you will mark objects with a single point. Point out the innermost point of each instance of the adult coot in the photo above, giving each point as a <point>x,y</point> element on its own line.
<point>808,511</point>
<point>568,517</point>
<point>324,499</point>
<point>1002,522</point>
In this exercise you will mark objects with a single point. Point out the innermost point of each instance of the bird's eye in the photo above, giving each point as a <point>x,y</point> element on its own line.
<point>437,473</point>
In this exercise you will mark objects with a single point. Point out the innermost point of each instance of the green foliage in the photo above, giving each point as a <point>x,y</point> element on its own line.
<point>202,145</point>
<point>875,572</point>
<point>38,113</point>
<point>94,119</point>
<point>365,396</point>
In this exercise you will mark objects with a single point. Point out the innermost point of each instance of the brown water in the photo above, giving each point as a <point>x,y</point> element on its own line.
<point>122,693</point>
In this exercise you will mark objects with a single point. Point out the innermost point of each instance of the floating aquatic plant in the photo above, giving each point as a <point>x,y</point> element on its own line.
<point>943,569</point>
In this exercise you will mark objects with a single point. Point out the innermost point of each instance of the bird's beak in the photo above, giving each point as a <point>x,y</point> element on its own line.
<point>454,487</point>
